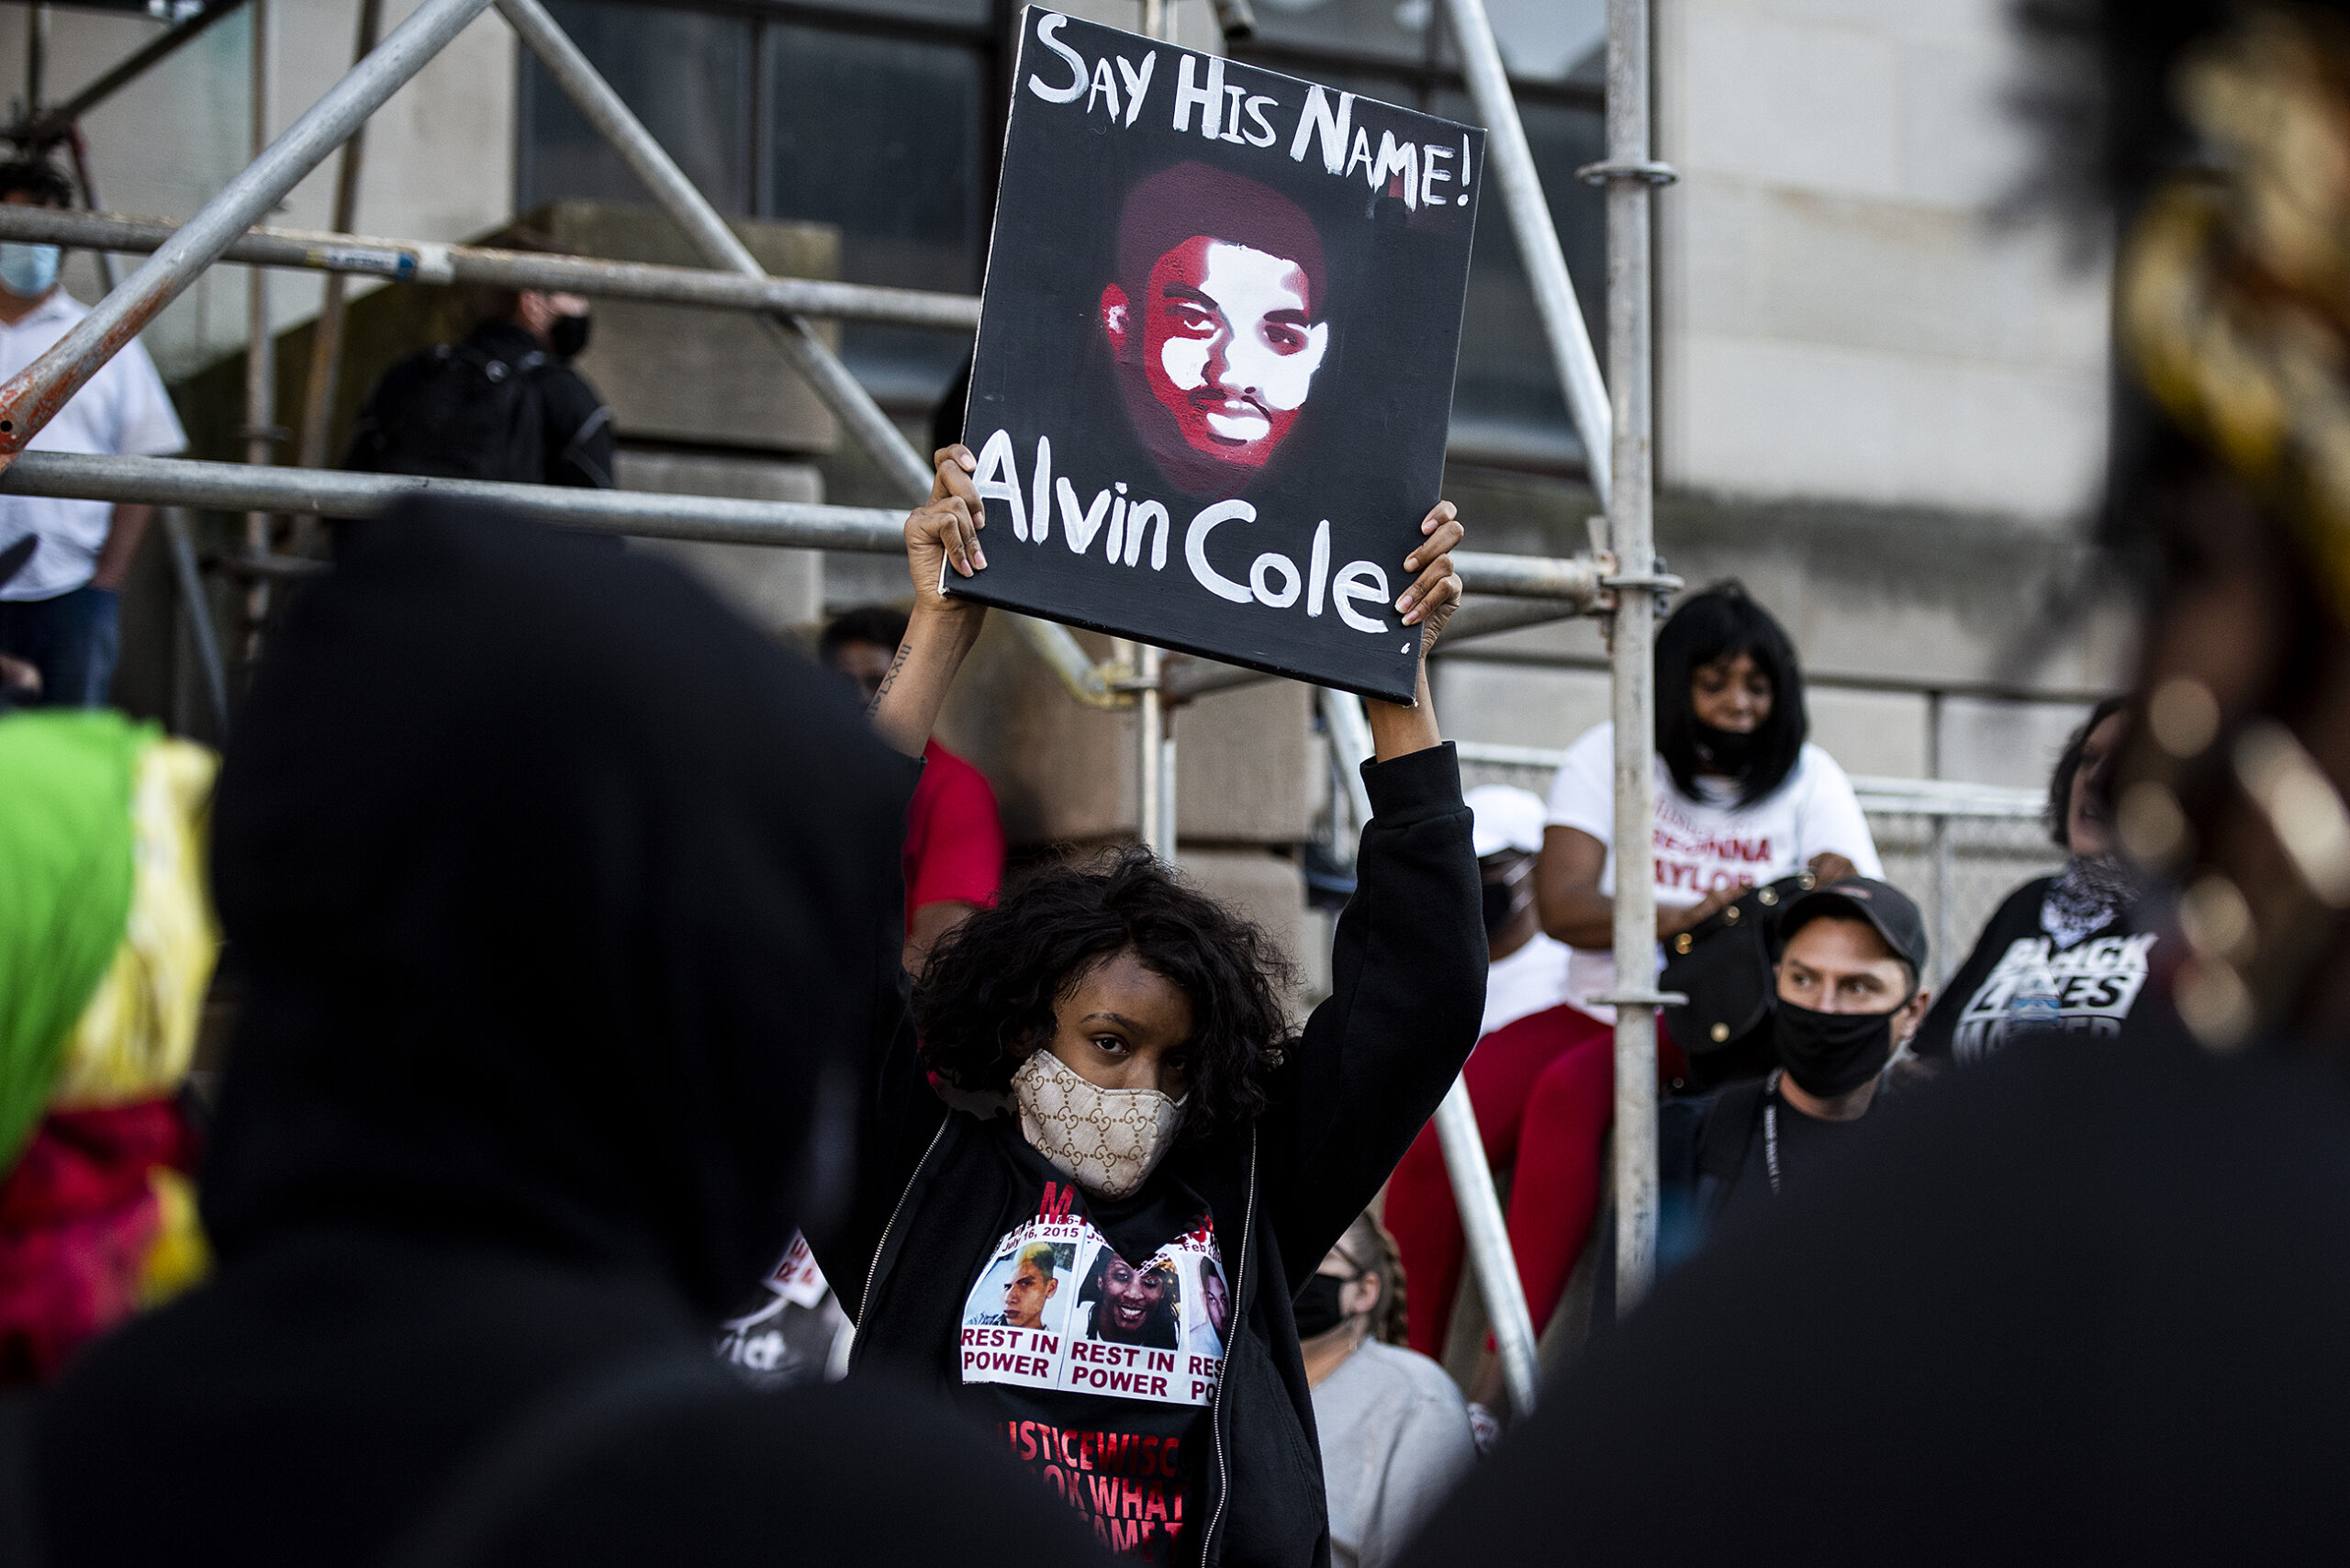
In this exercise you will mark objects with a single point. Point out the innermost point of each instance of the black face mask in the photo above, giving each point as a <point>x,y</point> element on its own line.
<point>1506,895</point>
<point>1501,904</point>
<point>1317,1307</point>
<point>1830,1054</point>
<point>568,335</point>
<point>1726,751</point>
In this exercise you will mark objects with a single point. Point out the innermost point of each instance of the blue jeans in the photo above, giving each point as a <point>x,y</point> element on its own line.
<point>72,638</point>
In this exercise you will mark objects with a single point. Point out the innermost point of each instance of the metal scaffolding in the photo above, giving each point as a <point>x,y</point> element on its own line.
<point>1611,420</point>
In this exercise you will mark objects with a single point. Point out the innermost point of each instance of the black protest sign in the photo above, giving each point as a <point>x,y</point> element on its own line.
<point>1215,355</point>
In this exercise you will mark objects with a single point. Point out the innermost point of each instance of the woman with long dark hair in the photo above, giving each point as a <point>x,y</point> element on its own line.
<point>1121,1083</point>
<point>2063,952</point>
<point>1742,797</point>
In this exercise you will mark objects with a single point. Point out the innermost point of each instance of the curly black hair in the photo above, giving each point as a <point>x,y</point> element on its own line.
<point>987,996</point>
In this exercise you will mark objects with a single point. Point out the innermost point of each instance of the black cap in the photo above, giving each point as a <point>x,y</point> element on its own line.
<point>1885,907</point>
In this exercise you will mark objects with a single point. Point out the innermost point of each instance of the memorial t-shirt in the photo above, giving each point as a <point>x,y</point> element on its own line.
<point>1092,1340</point>
<point>794,1331</point>
<point>1702,845</point>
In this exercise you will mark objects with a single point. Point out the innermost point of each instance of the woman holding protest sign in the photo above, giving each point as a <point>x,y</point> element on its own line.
<point>1133,1103</point>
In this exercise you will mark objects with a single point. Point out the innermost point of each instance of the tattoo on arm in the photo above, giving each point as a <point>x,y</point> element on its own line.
<point>890,678</point>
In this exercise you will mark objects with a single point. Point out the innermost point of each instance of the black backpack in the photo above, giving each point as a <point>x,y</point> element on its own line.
<point>456,412</point>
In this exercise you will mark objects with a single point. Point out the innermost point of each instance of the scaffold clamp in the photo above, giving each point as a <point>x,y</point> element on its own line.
<point>1646,170</point>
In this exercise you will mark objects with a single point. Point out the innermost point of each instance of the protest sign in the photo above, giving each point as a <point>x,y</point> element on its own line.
<point>1215,355</point>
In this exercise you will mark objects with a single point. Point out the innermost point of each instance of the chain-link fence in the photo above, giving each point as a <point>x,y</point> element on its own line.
<point>1958,849</point>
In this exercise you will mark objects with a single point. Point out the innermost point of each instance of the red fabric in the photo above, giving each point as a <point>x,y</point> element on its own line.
<point>1544,1090</point>
<point>953,838</point>
<point>77,1215</point>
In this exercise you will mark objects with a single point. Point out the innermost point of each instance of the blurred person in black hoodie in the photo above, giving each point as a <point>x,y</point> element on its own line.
<point>2076,1305</point>
<point>540,1062</point>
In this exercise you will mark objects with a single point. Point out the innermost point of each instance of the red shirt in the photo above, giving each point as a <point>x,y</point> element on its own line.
<point>954,840</point>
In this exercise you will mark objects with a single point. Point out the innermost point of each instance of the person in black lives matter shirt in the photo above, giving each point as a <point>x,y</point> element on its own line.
<point>1848,997</point>
<point>2062,953</point>
<point>1131,1103</point>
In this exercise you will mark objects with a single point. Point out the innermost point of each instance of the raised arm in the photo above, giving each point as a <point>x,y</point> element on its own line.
<point>942,534</point>
<point>1407,966</point>
<point>1429,604</point>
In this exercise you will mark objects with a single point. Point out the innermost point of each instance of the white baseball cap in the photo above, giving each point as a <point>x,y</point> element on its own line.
<point>1507,818</point>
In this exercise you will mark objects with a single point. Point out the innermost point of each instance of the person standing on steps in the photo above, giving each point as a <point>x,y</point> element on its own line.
<point>60,615</point>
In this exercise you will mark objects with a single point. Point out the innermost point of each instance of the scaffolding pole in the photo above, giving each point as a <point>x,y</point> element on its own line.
<point>31,398</point>
<point>425,261</point>
<point>1631,180</point>
<point>708,234</point>
<point>1154,772</point>
<point>109,273</point>
<point>1509,163</point>
<point>808,525</point>
<point>806,352</point>
<point>326,337</point>
<point>261,360</point>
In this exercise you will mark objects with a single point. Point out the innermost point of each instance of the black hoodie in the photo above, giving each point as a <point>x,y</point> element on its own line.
<point>1407,990</point>
<point>542,867</point>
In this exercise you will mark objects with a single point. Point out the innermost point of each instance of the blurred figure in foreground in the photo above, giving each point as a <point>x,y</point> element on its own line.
<point>107,943</point>
<point>1395,1436</point>
<point>2080,1305</point>
<point>539,1061</point>
<point>2063,952</point>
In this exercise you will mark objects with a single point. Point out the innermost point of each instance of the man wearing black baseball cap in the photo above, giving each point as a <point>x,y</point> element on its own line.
<point>1850,958</point>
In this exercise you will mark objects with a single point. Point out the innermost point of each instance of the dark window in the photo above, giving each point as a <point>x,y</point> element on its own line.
<point>882,136</point>
<point>873,116</point>
<point>687,74</point>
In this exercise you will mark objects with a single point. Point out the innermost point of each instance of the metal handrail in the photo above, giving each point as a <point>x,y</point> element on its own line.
<point>1875,793</point>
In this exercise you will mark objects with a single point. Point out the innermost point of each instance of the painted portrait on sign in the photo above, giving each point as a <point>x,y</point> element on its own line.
<point>1217,323</point>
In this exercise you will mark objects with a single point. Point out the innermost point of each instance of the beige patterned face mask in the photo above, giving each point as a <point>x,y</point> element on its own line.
<point>1108,1141</point>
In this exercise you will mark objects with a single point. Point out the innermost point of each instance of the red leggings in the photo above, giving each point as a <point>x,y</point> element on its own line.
<point>1544,1088</point>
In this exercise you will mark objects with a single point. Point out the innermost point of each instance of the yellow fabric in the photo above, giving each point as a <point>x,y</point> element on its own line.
<point>179,1256</point>
<point>137,1037</point>
<point>2233,291</point>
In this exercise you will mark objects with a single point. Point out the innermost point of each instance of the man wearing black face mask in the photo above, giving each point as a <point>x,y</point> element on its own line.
<point>504,404</point>
<point>1850,955</point>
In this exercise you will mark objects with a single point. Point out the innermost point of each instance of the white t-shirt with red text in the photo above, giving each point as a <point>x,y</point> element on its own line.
<point>1705,845</point>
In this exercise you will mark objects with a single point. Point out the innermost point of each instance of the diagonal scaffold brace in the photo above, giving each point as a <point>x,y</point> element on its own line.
<point>31,398</point>
<point>807,353</point>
